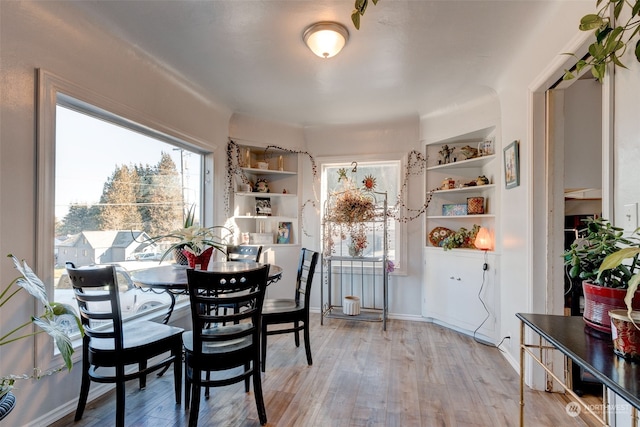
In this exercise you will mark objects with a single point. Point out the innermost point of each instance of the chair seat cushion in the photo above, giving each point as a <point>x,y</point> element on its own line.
<point>224,346</point>
<point>277,306</point>
<point>138,334</point>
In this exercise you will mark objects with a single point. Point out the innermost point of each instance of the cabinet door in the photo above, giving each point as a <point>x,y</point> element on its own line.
<point>452,285</point>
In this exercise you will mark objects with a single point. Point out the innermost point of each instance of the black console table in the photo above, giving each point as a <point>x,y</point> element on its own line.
<point>592,352</point>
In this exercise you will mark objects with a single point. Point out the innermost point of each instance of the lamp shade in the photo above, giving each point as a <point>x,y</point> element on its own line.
<point>483,240</point>
<point>326,39</point>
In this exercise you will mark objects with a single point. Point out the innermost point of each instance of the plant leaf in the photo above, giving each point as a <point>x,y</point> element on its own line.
<point>355,18</point>
<point>615,259</point>
<point>55,329</point>
<point>591,22</point>
<point>60,309</point>
<point>638,49</point>
<point>30,281</point>
<point>631,290</point>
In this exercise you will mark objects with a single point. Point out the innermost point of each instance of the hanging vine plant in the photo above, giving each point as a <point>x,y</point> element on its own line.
<point>416,165</point>
<point>613,36</point>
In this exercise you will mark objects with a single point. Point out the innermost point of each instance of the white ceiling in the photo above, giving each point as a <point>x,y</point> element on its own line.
<point>410,58</point>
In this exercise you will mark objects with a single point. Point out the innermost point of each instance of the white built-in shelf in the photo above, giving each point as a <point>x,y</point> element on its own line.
<point>259,194</point>
<point>273,217</point>
<point>476,162</point>
<point>460,216</point>
<point>257,171</point>
<point>472,189</point>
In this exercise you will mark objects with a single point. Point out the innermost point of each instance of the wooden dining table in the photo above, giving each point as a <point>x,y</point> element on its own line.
<point>172,279</point>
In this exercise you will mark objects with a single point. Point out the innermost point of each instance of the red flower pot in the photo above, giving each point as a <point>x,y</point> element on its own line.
<point>199,262</point>
<point>599,300</point>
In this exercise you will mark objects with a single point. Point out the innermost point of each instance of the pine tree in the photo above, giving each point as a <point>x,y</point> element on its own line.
<point>118,202</point>
<point>164,198</point>
<point>79,218</point>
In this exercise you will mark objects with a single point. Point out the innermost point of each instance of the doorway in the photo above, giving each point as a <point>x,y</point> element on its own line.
<point>549,132</point>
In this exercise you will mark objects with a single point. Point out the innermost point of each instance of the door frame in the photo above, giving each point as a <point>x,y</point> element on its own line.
<point>546,263</point>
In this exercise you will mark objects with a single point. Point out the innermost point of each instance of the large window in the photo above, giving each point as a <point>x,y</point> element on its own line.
<point>109,177</point>
<point>115,187</point>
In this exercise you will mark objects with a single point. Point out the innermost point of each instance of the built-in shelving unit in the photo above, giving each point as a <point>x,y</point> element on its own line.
<point>280,171</point>
<point>457,292</point>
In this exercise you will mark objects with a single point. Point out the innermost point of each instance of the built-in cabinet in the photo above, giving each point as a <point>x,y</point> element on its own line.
<point>460,287</point>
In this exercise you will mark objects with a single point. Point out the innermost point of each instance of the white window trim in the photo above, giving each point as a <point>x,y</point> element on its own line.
<point>50,87</point>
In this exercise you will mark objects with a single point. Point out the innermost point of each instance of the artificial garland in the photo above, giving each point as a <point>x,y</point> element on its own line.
<point>416,165</point>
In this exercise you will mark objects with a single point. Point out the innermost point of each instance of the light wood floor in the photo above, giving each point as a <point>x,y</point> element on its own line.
<point>414,374</point>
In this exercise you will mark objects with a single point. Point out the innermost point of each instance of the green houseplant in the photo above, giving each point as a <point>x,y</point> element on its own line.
<point>613,36</point>
<point>192,239</point>
<point>603,291</point>
<point>50,322</point>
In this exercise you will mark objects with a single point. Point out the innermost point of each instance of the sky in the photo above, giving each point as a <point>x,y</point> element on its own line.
<point>88,151</point>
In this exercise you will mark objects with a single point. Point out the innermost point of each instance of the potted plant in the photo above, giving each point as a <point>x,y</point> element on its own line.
<point>196,243</point>
<point>625,330</point>
<point>603,291</point>
<point>48,322</point>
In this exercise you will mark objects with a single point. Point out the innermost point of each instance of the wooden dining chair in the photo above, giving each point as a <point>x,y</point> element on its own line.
<point>213,345</point>
<point>244,253</point>
<point>110,347</point>
<point>294,311</point>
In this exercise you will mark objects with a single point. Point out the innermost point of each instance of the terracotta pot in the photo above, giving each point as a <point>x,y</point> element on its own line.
<point>200,262</point>
<point>599,300</point>
<point>625,335</point>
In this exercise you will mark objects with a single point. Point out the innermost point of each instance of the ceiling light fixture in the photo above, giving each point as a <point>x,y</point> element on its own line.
<point>326,39</point>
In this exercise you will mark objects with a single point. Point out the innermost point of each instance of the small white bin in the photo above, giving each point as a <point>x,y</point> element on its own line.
<point>351,305</point>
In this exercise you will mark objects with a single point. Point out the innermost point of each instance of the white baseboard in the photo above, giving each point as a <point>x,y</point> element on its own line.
<point>62,411</point>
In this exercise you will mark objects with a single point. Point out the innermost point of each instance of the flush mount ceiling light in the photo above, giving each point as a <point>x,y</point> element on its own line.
<point>326,39</point>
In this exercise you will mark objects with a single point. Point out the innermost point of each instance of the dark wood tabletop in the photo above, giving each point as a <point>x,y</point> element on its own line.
<point>590,349</point>
<point>174,277</point>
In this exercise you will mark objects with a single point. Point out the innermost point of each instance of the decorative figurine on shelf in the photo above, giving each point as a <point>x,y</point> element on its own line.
<point>482,180</point>
<point>448,184</point>
<point>469,152</point>
<point>446,153</point>
<point>261,186</point>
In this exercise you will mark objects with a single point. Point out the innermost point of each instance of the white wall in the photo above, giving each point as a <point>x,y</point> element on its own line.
<point>33,36</point>
<point>626,137</point>
<point>583,135</point>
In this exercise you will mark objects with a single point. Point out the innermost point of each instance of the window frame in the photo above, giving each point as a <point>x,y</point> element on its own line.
<point>401,227</point>
<point>54,90</point>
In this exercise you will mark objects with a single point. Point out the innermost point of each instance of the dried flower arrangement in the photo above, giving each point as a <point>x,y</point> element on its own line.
<point>350,209</point>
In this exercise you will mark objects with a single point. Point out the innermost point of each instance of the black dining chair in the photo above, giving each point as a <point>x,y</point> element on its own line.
<point>244,253</point>
<point>294,311</point>
<point>213,345</point>
<point>110,346</point>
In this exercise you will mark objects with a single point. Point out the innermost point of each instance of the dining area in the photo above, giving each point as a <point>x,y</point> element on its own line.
<point>224,343</point>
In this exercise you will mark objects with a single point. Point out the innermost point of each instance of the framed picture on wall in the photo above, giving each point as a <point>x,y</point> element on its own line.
<point>512,165</point>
